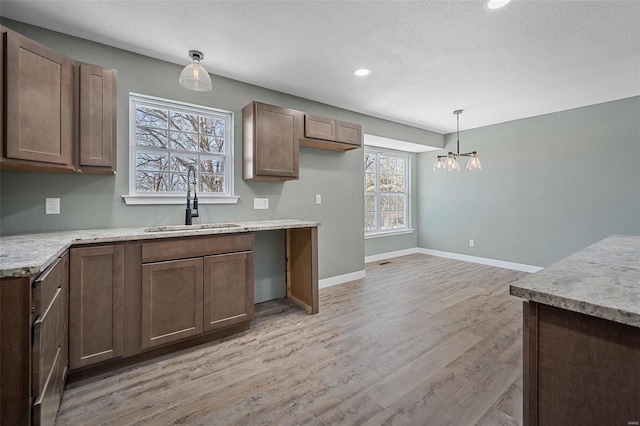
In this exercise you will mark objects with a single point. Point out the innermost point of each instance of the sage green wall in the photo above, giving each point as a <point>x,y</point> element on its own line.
<point>373,246</point>
<point>92,201</point>
<point>551,185</point>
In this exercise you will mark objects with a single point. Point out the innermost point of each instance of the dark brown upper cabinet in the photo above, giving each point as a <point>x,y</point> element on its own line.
<point>58,114</point>
<point>97,119</point>
<point>39,101</point>
<point>270,136</point>
<point>327,133</point>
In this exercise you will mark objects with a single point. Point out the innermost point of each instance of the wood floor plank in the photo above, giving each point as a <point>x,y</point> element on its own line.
<point>421,340</point>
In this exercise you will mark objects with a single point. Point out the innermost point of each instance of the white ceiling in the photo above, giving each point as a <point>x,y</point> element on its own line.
<point>427,57</point>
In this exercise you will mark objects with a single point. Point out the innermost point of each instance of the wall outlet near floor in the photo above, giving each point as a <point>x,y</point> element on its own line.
<point>318,199</point>
<point>260,203</point>
<point>472,243</point>
<point>52,205</point>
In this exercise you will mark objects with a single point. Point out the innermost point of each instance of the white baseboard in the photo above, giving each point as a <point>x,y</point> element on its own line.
<point>391,255</point>
<point>482,260</point>
<point>340,279</point>
<point>449,255</point>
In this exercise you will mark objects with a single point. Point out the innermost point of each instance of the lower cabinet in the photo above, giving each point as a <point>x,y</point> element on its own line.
<point>96,305</point>
<point>228,290</point>
<point>187,297</point>
<point>171,301</point>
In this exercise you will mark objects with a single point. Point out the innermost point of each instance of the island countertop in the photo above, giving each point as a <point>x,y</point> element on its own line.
<point>30,254</point>
<point>602,280</point>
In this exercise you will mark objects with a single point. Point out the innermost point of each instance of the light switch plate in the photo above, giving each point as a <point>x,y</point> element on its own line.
<point>260,203</point>
<point>52,205</point>
<point>318,199</point>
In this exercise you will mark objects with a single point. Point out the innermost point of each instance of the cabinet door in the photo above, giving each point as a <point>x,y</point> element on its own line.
<point>270,142</point>
<point>97,118</point>
<point>39,102</point>
<point>348,133</point>
<point>95,305</point>
<point>228,289</point>
<point>171,301</point>
<point>319,127</point>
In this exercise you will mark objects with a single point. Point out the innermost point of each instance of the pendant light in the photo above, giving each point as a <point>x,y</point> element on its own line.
<point>451,162</point>
<point>194,76</point>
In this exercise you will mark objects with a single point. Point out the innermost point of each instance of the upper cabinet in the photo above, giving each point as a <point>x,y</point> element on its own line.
<point>270,136</point>
<point>58,114</point>
<point>39,94</point>
<point>97,118</point>
<point>327,133</point>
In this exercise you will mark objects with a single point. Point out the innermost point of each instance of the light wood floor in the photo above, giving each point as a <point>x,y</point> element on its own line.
<point>420,341</point>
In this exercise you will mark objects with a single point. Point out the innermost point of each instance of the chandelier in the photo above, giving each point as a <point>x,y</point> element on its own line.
<point>451,162</point>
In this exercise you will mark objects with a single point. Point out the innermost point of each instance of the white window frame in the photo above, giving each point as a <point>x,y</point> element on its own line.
<point>407,193</point>
<point>136,198</point>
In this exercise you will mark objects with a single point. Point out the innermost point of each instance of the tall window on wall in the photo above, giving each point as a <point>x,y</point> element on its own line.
<point>167,138</point>
<point>386,192</point>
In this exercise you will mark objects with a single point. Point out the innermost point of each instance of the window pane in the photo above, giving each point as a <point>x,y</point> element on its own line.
<point>212,126</point>
<point>146,136</point>
<point>151,117</point>
<point>151,161</point>
<point>212,164</point>
<point>211,144</point>
<point>369,163</point>
<point>151,181</point>
<point>370,221</point>
<point>179,182</point>
<point>184,141</point>
<point>369,182</point>
<point>212,183</point>
<point>183,122</point>
<point>182,163</point>
<point>370,202</point>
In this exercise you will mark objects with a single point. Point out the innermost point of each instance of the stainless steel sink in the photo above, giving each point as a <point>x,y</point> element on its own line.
<point>170,228</point>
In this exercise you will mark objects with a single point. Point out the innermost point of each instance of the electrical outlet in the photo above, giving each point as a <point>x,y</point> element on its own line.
<point>52,205</point>
<point>260,203</point>
<point>318,199</point>
<point>472,243</point>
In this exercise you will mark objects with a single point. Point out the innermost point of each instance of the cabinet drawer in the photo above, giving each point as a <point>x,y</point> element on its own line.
<point>46,342</point>
<point>46,285</point>
<point>182,248</point>
<point>46,404</point>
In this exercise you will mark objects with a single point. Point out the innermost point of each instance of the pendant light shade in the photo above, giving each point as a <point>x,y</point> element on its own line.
<point>474,162</point>
<point>451,163</point>
<point>194,76</point>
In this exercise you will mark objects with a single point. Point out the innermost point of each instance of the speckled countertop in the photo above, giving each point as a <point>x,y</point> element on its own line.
<point>30,254</point>
<point>603,280</point>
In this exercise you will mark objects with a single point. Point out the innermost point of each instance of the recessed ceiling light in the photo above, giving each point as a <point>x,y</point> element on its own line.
<point>495,4</point>
<point>361,72</point>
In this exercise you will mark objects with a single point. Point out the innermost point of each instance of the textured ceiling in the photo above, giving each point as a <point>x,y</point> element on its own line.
<point>427,57</point>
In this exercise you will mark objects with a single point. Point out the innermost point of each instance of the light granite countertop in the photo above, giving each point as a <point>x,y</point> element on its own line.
<point>603,280</point>
<point>30,254</point>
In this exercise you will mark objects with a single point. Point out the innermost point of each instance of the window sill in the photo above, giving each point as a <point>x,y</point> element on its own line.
<point>388,233</point>
<point>177,199</point>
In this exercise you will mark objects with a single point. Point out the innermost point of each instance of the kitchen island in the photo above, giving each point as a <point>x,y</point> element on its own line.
<point>581,337</point>
<point>82,303</point>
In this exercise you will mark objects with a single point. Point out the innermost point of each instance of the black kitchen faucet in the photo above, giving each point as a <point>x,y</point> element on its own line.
<point>191,214</point>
